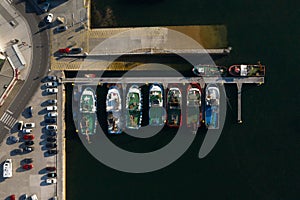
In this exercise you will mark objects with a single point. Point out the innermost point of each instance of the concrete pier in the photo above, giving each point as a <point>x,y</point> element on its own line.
<point>239,86</point>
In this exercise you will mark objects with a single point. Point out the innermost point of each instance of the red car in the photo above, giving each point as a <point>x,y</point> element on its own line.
<point>12,197</point>
<point>51,169</point>
<point>65,50</point>
<point>27,166</point>
<point>28,137</point>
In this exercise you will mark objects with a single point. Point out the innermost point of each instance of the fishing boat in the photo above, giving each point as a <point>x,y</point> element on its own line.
<point>134,108</point>
<point>114,110</point>
<point>174,103</point>
<point>209,70</point>
<point>87,112</point>
<point>193,103</point>
<point>212,103</point>
<point>247,70</point>
<point>157,115</point>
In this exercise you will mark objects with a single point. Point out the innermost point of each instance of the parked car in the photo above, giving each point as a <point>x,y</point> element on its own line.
<point>33,197</point>
<point>28,143</point>
<point>52,133</point>
<point>49,18</point>
<point>52,114</point>
<point>52,78</point>
<point>50,120</point>
<point>51,108</point>
<point>28,149</point>
<point>12,197</point>
<point>51,127</point>
<point>65,50</point>
<point>51,139</point>
<point>51,151</point>
<point>30,109</point>
<point>17,151</point>
<point>76,50</point>
<point>52,175</point>
<point>28,137</point>
<point>13,139</point>
<point>51,145</point>
<point>51,84</point>
<point>51,180</point>
<point>50,169</point>
<point>27,166</point>
<point>27,160</point>
<point>24,197</point>
<point>20,125</point>
<point>29,125</point>
<point>61,29</point>
<point>45,6</point>
<point>27,130</point>
<point>52,90</point>
<point>52,101</point>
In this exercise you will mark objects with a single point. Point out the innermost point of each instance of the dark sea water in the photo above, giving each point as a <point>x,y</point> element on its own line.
<point>258,159</point>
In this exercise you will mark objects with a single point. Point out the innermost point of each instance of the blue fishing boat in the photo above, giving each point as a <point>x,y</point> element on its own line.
<point>212,103</point>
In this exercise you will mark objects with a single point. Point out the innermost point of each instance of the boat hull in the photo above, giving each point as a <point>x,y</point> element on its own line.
<point>209,70</point>
<point>134,108</point>
<point>212,104</point>
<point>193,114</point>
<point>247,70</point>
<point>174,106</point>
<point>87,112</point>
<point>157,113</point>
<point>114,110</point>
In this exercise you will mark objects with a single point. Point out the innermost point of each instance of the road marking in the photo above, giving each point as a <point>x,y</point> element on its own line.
<point>6,127</point>
<point>8,120</point>
<point>9,112</point>
<point>9,1</point>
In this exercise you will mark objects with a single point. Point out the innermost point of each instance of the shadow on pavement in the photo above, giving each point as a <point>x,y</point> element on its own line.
<point>43,171</point>
<point>42,112</point>
<point>45,103</point>
<point>14,129</point>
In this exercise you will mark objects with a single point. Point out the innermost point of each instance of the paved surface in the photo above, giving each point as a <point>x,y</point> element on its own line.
<point>6,76</point>
<point>28,93</point>
<point>32,181</point>
<point>39,65</point>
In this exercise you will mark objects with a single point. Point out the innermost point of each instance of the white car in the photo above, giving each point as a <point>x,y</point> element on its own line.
<point>51,84</point>
<point>51,180</point>
<point>51,108</point>
<point>51,90</point>
<point>52,114</point>
<point>49,18</point>
<point>27,130</point>
<point>51,127</point>
<point>29,125</point>
<point>33,197</point>
<point>52,78</point>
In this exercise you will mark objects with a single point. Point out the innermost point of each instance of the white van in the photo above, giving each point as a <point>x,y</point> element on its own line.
<point>27,130</point>
<point>51,108</point>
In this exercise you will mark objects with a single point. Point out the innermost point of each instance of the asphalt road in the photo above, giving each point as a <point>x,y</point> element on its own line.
<point>40,62</point>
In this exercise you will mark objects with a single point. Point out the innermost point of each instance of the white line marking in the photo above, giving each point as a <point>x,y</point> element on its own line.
<point>5,117</point>
<point>2,117</point>
<point>9,112</point>
<point>12,122</point>
<point>6,127</point>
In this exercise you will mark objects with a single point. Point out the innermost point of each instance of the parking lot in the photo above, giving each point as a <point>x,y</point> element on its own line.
<point>29,176</point>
